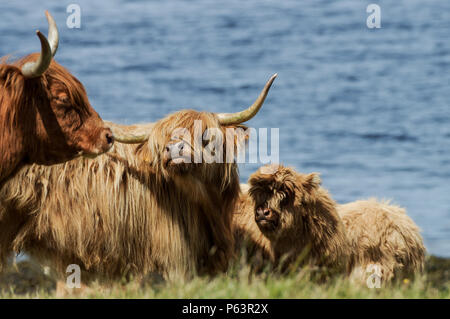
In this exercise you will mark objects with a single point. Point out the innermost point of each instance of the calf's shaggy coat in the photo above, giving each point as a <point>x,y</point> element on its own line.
<point>285,212</point>
<point>300,219</point>
<point>381,234</point>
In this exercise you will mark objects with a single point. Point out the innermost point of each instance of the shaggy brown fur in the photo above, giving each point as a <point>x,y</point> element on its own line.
<point>382,234</point>
<point>355,235</point>
<point>249,240</point>
<point>47,119</point>
<point>132,211</point>
<point>300,219</point>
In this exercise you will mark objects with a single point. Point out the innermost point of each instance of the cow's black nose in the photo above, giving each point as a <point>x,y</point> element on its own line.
<point>263,213</point>
<point>106,139</point>
<point>109,138</point>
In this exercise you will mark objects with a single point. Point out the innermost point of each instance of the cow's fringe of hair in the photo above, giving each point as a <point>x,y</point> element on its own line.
<point>122,213</point>
<point>12,80</point>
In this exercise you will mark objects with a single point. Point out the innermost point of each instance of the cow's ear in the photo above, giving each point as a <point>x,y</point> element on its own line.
<point>239,135</point>
<point>239,131</point>
<point>243,131</point>
<point>312,181</point>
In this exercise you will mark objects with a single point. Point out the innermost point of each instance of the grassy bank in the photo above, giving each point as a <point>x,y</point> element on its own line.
<point>27,280</point>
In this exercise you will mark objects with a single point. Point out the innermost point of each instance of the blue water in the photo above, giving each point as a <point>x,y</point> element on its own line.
<point>368,108</point>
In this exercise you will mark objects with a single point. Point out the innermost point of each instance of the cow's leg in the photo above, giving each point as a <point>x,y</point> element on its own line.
<point>10,223</point>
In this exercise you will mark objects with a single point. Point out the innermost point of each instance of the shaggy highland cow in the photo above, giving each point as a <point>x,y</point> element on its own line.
<point>139,209</point>
<point>285,214</point>
<point>45,115</point>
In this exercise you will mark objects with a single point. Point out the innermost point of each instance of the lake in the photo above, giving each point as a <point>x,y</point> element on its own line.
<point>367,108</point>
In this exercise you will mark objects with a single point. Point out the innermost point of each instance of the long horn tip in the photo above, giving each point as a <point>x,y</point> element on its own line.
<point>53,36</point>
<point>272,78</point>
<point>49,17</point>
<point>269,83</point>
<point>40,35</point>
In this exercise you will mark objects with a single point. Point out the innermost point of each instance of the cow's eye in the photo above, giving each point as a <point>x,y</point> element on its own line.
<point>284,201</point>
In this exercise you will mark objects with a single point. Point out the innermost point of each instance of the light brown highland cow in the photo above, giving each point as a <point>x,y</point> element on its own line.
<point>137,210</point>
<point>286,214</point>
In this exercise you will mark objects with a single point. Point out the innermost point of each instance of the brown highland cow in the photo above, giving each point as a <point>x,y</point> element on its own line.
<point>45,115</point>
<point>286,214</point>
<point>139,209</point>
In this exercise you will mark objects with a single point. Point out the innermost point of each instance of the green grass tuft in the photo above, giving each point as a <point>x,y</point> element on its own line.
<point>27,280</point>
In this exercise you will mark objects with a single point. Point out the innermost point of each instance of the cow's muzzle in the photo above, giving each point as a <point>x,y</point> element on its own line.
<point>266,218</point>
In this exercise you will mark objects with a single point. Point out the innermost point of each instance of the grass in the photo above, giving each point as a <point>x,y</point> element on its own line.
<point>27,280</point>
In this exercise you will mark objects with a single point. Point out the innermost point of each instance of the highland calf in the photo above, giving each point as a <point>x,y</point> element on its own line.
<point>382,239</point>
<point>286,214</point>
<point>285,217</point>
<point>45,115</point>
<point>138,209</point>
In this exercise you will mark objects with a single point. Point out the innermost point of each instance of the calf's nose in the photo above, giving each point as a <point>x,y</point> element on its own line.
<point>263,213</point>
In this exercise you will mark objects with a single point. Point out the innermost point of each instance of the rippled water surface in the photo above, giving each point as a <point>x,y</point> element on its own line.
<point>369,109</point>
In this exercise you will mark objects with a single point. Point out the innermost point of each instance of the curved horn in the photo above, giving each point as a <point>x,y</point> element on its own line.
<point>53,34</point>
<point>130,134</point>
<point>48,50</point>
<point>37,68</point>
<point>247,114</point>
